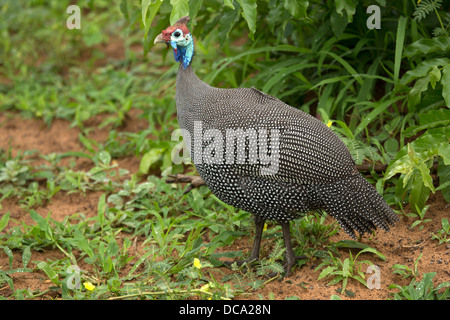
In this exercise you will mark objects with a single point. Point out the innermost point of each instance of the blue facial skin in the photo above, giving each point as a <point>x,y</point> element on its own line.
<point>183,48</point>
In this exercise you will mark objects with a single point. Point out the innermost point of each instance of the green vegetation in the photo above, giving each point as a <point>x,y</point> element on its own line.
<point>385,92</point>
<point>423,290</point>
<point>350,268</point>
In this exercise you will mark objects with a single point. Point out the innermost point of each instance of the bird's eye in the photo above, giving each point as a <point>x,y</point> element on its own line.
<point>176,34</point>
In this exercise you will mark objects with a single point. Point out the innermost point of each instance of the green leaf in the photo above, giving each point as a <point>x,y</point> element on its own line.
<point>82,243</point>
<point>351,244</point>
<point>427,46</point>
<point>51,274</point>
<point>180,8</point>
<point>435,76</point>
<point>225,238</point>
<point>338,279</point>
<point>326,272</point>
<point>226,23</point>
<point>113,248</point>
<point>426,176</point>
<point>377,108</point>
<point>196,201</point>
<point>345,64</point>
<point>391,146</point>
<point>422,69</point>
<point>338,23</point>
<point>26,256</point>
<point>116,200</point>
<point>281,74</point>
<point>412,154</point>
<point>297,8</point>
<point>140,261</point>
<point>349,6</point>
<point>346,268</point>
<point>414,95</point>
<point>229,4</point>
<point>365,93</point>
<point>444,151</point>
<point>101,209</point>
<point>88,143</point>
<point>104,157</point>
<point>194,7</point>
<point>415,223</point>
<point>399,42</point>
<point>443,172</point>
<point>42,224</point>
<point>144,8</point>
<point>419,194</point>
<point>224,63</point>
<point>446,84</point>
<point>430,142</point>
<point>430,119</point>
<point>372,250</point>
<point>151,6</point>
<point>249,13</point>
<point>150,158</point>
<point>92,35</point>
<point>330,80</point>
<point>10,255</point>
<point>4,221</point>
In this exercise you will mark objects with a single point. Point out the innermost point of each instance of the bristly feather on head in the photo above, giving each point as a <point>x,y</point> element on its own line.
<point>180,39</point>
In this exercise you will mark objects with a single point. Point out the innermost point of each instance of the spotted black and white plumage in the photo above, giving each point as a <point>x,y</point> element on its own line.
<point>314,168</point>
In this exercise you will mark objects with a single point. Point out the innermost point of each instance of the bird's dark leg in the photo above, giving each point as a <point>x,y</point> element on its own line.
<point>195,181</point>
<point>259,226</point>
<point>291,258</point>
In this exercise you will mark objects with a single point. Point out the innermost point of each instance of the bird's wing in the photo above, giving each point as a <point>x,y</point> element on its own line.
<point>291,145</point>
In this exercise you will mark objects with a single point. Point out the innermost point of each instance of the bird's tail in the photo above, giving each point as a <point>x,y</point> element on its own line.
<point>355,204</point>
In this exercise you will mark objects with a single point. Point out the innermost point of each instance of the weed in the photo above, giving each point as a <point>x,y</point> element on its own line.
<point>312,233</point>
<point>407,272</point>
<point>271,265</point>
<point>421,217</point>
<point>443,235</point>
<point>350,268</point>
<point>422,290</point>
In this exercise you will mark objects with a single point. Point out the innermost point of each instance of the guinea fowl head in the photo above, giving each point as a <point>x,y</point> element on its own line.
<point>180,39</point>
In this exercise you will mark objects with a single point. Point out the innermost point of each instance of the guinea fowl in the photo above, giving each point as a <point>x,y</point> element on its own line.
<point>263,156</point>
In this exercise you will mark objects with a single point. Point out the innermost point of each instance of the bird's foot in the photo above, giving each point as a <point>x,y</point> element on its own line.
<point>194,181</point>
<point>290,263</point>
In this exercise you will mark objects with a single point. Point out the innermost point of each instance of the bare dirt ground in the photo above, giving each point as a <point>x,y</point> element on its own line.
<point>400,246</point>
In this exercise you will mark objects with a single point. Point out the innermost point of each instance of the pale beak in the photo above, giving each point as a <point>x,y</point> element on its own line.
<point>159,39</point>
